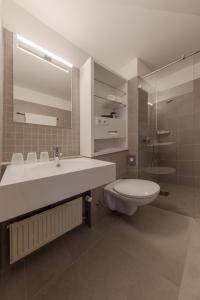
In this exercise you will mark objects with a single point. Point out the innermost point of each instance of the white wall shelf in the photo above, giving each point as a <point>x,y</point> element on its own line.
<point>102,92</point>
<point>111,103</point>
<point>110,150</point>
<point>109,85</point>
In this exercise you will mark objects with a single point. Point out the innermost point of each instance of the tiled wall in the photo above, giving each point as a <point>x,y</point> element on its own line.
<point>146,121</point>
<point>120,158</point>
<point>133,107</point>
<point>139,126</point>
<point>182,117</point>
<point>24,137</point>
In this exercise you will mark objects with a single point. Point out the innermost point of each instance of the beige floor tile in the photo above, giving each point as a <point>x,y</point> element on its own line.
<point>105,225</point>
<point>186,294</point>
<point>53,259</point>
<point>191,276</point>
<point>157,238</point>
<point>148,256</point>
<point>81,239</point>
<point>43,265</point>
<point>13,283</point>
<point>109,273</point>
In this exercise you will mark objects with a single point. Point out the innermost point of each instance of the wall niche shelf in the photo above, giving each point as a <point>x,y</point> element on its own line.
<point>110,86</point>
<point>110,150</point>
<point>110,103</point>
<point>102,92</point>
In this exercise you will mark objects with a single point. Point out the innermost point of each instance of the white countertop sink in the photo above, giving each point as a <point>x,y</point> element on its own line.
<point>27,172</point>
<point>25,188</point>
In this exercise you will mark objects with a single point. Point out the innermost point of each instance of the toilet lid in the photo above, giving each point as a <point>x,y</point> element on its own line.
<point>136,188</point>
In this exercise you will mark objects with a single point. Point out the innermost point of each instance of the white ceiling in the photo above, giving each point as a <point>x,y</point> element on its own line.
<point>116,31</point>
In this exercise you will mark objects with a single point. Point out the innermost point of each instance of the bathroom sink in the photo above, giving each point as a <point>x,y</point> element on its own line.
<point>28,187</point>
<point>27,172</point>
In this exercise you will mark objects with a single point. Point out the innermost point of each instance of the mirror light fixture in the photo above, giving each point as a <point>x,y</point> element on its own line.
<point>41,53</point>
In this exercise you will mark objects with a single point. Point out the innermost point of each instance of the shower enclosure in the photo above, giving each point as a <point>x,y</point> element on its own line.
<point>169,134</point>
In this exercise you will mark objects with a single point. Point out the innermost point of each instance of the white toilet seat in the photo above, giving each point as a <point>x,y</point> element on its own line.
<point>136,188</point>
<point>126,195</point>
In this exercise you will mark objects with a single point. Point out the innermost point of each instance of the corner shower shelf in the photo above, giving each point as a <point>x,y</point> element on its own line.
<point>160,144</point>
<point>159,170</point>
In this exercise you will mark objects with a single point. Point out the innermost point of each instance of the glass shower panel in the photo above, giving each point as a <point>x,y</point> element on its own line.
<point>196,135</point>
<point>147,125</point>
<point>167,138</point>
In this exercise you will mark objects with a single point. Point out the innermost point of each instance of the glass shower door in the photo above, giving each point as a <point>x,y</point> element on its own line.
<point>168,136</point>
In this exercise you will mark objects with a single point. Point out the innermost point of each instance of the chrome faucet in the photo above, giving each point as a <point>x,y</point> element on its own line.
<point>56,151</point>
<point>57,155</point>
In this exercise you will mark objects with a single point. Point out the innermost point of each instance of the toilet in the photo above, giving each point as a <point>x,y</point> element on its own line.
<point>125,195</point>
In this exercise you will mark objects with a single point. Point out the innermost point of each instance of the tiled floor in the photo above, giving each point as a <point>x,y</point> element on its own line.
<point>190,286</point>
<point>149,256</point>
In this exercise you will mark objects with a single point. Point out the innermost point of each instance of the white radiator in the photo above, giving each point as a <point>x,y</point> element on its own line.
<point>32,233</point>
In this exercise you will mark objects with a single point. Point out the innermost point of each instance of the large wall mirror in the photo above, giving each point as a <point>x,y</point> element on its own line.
<point>42,84</point>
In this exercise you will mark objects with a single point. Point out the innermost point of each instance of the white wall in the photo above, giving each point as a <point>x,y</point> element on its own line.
<point>134,68</point>
<point>130,70</point>
<point>19,21</point>
<point>1,84</point>
<point>143,69</point>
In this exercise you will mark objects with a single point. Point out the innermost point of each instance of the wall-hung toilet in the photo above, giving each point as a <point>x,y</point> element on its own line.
<point>125,195</point>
